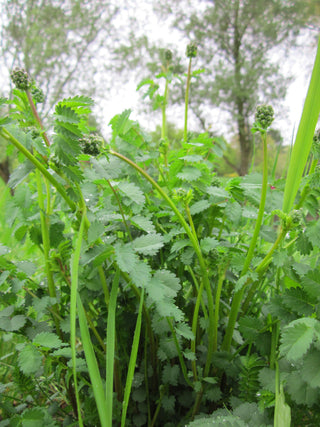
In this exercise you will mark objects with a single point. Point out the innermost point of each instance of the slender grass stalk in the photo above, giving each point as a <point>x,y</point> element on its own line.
<point>303,142</point>
<point>111,336</point>
<point>97,386</point>
<point>73,310</point>
<point>132,361</point>
<point>237,298</point>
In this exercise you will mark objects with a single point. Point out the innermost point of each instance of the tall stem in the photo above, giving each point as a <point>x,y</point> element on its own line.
<point>185,134</point>
<point>236,302</point>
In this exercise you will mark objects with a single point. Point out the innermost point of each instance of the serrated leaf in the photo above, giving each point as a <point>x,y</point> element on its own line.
<point>47,339</point>
<point>217,192</point>
<point>297,337</point>
<point>208,244</point>
<point>13,324</point>
<point>313,233</point>
<point>179,244</point>
<point>184,330</point>
<point>141,274</point>
<point>120,123</point>
<point>77,101</point>
<point>311,284</point>
<point>149,244</point>
<point>170,374</point>
<point>143,223</point>
<point>199,206</point>
<point>250,327</point>
<point>20,173</point>
<point>132,191</point>
<point>189,173</point>
<point>65,114</point>
<point>297,300</point>
<point>29,359</point>
<point>310,369</point>
<point>126,257</point>
<point>96,230</point>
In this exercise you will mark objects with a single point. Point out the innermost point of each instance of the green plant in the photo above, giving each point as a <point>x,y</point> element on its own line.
<point>162,294</point>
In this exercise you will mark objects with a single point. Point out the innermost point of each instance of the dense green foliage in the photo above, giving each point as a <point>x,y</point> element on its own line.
<point>138,288</point>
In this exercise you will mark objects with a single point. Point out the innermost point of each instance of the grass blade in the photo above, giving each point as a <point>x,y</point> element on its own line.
<point>132,362</point>
<point>111,335</point>
<point>92,364</point>
<point>303,142</point>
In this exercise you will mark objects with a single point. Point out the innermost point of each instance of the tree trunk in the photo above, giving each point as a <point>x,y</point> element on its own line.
<point>4,170</point>
<point>245,144</point>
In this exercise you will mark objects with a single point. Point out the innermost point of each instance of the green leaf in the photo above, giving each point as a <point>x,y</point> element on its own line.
<point>29,360</point>
<point>199,206</point>
<point>313,233</point>
<point>184,330</point>
<point>208,244</point>
<point>170,374</point>
<point>297,337</point>
<point>96,230</point>
<point>310,369</point>
<point>250,327</point>
<point>299,301</point>
<point>311,284</point>
<point>189,173</point>
<point>218,193</point>
<point>125,257</point>
<point>20,173</point>
<point>120,123</point>
<point>47,339</point>
<point>132,191</point>
<point>148,244</point>
<point>143,223</point>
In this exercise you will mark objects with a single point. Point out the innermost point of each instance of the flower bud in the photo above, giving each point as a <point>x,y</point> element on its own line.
<point>91,144</point>
<point>168,55</point>
<point>37,95</point>
<point>192,50</point>
<point>264,116</point>
<point>21,79</point>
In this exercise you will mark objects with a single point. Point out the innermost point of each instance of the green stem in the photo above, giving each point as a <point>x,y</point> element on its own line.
<point>236,301</point>
<point>182,364</point>
<point>73,309</point>
<point>37,117</point>
<point>163,108</point>
<point>261,267</point>
<point>195,244</point>
<point>185,133</point>
<point>8,136</point>
<point>44,219</point>
<point>221,277</point>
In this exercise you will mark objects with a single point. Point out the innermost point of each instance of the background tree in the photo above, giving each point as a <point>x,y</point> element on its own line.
<point>237,39</point>
<point>59,43</point>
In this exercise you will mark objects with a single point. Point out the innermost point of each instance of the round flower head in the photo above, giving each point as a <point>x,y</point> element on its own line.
<point>37,94</point>
<point>21,78</point>
<point>168,55</point>
<point>192,50</point>
<point>264,115</point>
<point>91,144</point>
